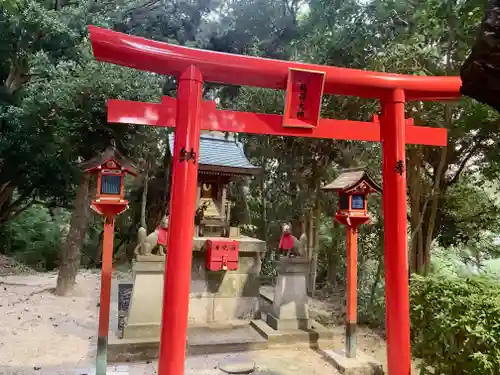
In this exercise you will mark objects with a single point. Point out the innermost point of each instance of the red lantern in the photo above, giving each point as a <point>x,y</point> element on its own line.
<point>353,187</point>
<point>110,167</point>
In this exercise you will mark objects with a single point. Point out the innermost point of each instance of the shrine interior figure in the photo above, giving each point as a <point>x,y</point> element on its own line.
<point>221,161</point>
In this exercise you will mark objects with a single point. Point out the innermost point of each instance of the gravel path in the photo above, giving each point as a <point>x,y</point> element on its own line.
<point>42,334</point>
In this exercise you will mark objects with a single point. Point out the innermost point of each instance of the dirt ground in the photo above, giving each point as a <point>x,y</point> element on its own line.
<point>42,334</point>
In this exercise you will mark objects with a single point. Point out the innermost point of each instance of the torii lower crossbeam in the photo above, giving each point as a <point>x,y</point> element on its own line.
<point>189,114</point>
<point>164,115</point>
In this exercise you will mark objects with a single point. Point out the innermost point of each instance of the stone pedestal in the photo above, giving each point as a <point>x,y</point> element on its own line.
<point>361,365</point>
<point>215,297</point>
<point>290,309</point>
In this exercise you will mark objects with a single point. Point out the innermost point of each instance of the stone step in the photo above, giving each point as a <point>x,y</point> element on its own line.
<point>111,370</point>
<point>208,339</point>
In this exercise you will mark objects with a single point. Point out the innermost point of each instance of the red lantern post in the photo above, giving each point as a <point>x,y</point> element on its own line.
<point>353,187</point>
<point>110,167</point>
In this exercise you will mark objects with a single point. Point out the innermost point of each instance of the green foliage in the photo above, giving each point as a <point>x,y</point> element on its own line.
<point>34,237</point>
<point>62,119</point>
<point>470,207</point>
<point>174,21</point>
<point>53,114</point>
<point>455,325</point>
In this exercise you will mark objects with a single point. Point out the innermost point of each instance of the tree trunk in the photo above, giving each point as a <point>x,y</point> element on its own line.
<point>415,215</point>
<point>315,247</point>
<point>263,192</point>
<point>71,249</point>
<point>98,255</point>
<point>167,159</point>
<point>436,195</point>
<point>380,269</point>
<point>309,231</point>
<point>144,198</point>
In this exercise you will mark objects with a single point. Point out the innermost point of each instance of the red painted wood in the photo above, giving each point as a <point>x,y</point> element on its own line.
<point>395,235</point>
<point>106,270</point>
<point>221,254</point>
<point>226,68</point>
<point>156,114</point>
<point>314,84</point>
<point>352,275</point>
<point>181,226</point>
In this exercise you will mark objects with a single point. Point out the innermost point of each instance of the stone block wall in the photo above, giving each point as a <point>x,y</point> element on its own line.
<point>215,297</point>
<point>225,295</point>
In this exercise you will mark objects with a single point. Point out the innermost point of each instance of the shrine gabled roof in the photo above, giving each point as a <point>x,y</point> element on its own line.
<point>218,154</point>
<point>349,179</point>
<point>111,153</point>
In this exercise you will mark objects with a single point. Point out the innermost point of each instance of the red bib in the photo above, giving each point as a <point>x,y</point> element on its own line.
<point>162,236</point>
<point>286,242</point>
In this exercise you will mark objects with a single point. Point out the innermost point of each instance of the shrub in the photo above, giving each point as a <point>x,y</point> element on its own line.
<point>456,325</point>
<point>34,238</point>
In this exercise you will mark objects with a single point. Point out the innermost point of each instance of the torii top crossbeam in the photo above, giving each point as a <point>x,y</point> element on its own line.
<point>225,68</point>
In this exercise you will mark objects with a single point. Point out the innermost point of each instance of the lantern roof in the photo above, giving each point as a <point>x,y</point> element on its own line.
<point>110,154</point>
<point>351,180</point>
<point>221,155</point>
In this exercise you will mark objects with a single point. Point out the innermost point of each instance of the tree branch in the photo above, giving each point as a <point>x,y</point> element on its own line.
<point>5,215</point>
<point>464,163</point>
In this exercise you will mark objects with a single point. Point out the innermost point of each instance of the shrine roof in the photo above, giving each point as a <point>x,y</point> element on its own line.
<point>111,153</point>
<point>222,155</point>
<point>350,179</point>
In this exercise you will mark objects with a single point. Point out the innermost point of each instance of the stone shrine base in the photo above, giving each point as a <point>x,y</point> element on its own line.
<point>215,338</point>
<point>207,339</point>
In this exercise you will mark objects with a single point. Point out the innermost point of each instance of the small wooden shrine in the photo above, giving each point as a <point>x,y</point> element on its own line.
<point>221,160</point>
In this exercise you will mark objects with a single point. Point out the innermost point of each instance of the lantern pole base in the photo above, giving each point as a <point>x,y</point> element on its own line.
<point>362,364</point>
<point>102,355</point>
<point>350,339</point>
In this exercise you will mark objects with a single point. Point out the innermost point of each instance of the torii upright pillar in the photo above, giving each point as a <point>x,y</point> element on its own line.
<point>180,234</point>
<point>304,84</point>
<point>397,308</point>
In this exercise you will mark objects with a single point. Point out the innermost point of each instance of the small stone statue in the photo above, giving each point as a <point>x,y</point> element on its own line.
<point>289,245</point>
<point>147,243</point>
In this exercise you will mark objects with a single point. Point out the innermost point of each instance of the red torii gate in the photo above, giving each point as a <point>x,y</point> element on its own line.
<point>188,114</point>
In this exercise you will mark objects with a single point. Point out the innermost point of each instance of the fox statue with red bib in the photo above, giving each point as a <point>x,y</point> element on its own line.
<point>289,245</point>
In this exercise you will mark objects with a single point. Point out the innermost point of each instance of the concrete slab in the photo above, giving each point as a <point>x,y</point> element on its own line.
<point>276,338</point>
<point>289,361</point>
<point>204,339</point>
<point>361,365</point>
<point>210,339</point>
